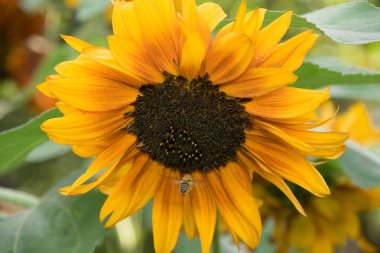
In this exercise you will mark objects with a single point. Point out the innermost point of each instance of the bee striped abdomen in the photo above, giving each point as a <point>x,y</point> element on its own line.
<point>186,185</point>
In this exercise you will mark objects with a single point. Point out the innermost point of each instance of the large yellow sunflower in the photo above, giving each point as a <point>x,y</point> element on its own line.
<point>173,114</point>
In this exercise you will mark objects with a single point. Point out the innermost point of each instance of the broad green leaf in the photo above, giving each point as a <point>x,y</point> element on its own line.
<point>57,224</point>
<point>361,165</point>
<point>363,92</point>
<point>319,73</point>
<point>46,151</point>
<point>356,22</point>
<point>16,143</point>
<point>298,22</point>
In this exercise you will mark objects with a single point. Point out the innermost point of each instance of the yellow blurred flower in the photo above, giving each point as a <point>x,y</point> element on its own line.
<point>331,220</point>
<point>72,3</point>
<point>172,113</point>
<point>356,121</point>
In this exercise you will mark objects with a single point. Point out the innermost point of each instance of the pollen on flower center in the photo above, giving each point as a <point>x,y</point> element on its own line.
<point>188,126</point>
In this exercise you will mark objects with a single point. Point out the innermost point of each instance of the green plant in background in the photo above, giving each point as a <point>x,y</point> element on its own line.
<point>30,163</point>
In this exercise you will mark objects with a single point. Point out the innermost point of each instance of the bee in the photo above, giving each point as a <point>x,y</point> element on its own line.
<point>186,185</point>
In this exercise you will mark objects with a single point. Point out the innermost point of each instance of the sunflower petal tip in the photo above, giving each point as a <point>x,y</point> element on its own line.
<point>328,89</point>
<point>65,191</point>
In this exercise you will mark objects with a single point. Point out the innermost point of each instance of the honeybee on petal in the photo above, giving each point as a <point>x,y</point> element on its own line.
<point>185,185</point>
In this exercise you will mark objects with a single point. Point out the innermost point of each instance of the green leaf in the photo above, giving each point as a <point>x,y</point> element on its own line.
<point>57,224</point>
<point>356,22</point>
<point>16,143</point>
<point>363,92</point>
<point>46,151</point>
<point>361,165</point>
<point>317,73</point>
<point>298,22</point>
<point>90,8</point>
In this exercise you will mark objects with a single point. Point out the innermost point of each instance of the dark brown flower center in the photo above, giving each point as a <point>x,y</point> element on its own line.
<point>188,126</point>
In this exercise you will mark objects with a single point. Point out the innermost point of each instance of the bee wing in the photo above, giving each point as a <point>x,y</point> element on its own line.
<point>178,181</point>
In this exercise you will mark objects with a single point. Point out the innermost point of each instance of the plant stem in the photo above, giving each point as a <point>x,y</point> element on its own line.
<point>17,197</point>
<point>215,240</point>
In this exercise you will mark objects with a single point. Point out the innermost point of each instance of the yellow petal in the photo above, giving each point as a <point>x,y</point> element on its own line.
<point>246,226</point>
<point>204,213</point>
<point>167,214</point>
<point>291,53</point>
<point>161,32</point>
<point>228,57</point>
<point>115,201</point>
<point>282,135</point>
<point>44,88</point>
<point>193,53</point>
<point>93,93</point>
<point>251,25</point>
<point>287,102</point>
<point>357,122</point>
<point>188,216</point>
<point>82,189</point>
<point>87,150</point>
<point>190,14</point>
<point>104,56</point>
<point>86,125</point>
<point>112,181</point>
<point>88,67</point>
<point>134,191</point>
<point>258,81</point>
<point>113,154</point>
<point>331,143</point>
<point>129,55</point>
<point>212,13</point>
<point>239,21</point>
<point>124,21</point>
<point>238,185</point>
<point>288,163</point>
<point>264,172</point>
<point>76,43</point>
<point>268,38</point>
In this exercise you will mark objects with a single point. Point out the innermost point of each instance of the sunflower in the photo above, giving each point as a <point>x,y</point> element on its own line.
<point>73,4</point>
<point>330,223</point>
<point>356,121</point>
<point>174,114</point>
